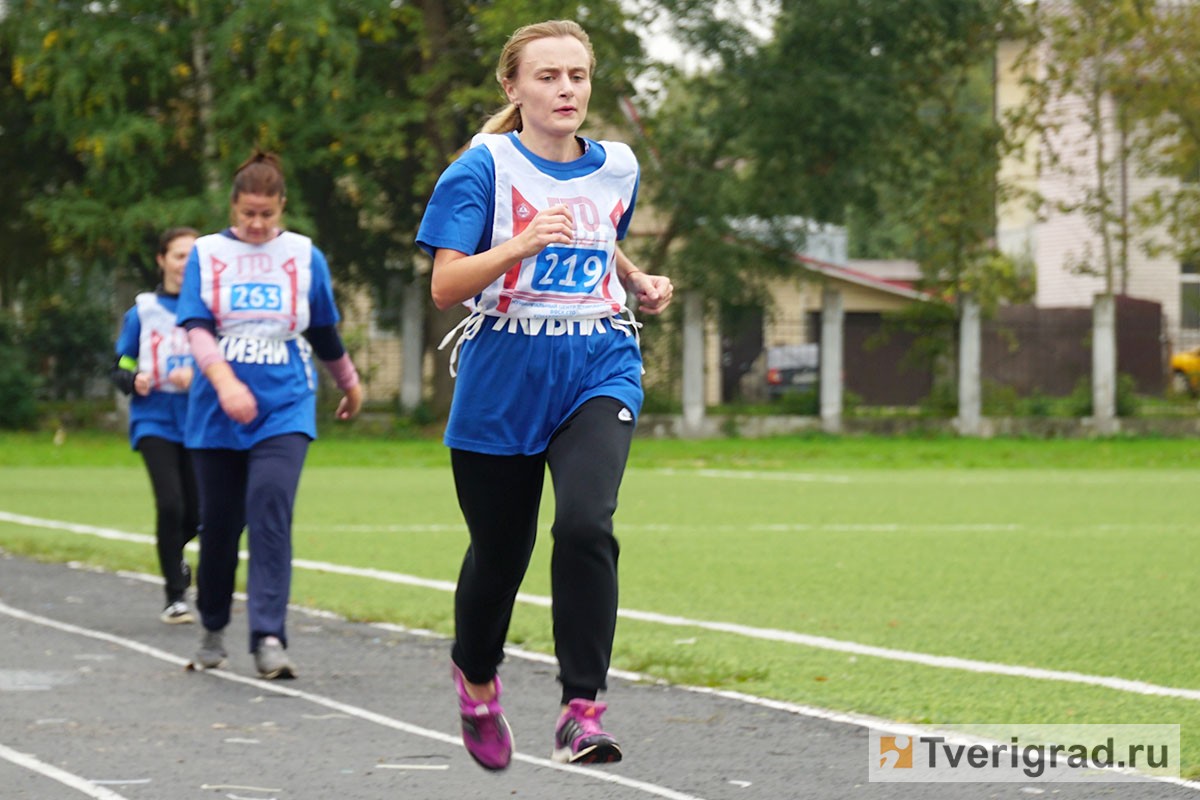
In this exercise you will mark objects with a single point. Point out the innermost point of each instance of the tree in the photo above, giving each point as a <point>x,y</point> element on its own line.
<point>1076,60</point>
<point>150,105</point>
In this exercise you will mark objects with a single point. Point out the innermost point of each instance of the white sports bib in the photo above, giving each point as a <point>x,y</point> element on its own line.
<point>576,280</point>
<point>162,347</point>
<point>256,291</point>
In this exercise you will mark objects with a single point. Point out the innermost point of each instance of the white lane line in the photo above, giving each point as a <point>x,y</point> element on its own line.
<point>335,705</point>
<point>746,631</point>
<point>795,477</point>
<point>89,788</point>
<point>768,527</point>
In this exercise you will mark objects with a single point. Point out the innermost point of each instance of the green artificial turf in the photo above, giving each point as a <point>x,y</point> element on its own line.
<point>1074,556</point>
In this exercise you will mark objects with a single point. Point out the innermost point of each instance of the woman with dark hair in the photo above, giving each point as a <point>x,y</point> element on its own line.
<point>154,367</point>
<point>257,301</point>
<point>523,229</point>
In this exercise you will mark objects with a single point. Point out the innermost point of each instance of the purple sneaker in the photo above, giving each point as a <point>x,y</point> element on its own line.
<point>485,731</point>
<point>579,739</point>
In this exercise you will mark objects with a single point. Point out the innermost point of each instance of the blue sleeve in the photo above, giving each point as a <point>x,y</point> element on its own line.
<point>190,305</point>
<point>128,342</point>
<point>459,215</point>
<point>322,309</point>
<point>627,217</point>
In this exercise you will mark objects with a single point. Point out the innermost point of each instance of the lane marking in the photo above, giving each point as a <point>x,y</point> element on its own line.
<point>770,527</point>
<point>335,705</point>
<point>796,477</point>
<point>745,631</point>
<point>85,786</point>
<point>812,712</point>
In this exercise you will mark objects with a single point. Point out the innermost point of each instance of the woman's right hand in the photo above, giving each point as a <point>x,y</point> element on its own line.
<point>554,225</point>
<point>142,384</point>
<point>237,401</point>
<point>235,397</point>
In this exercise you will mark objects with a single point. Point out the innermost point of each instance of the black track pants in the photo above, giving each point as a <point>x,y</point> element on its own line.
<point>499,497</point>
<point>175,505</point>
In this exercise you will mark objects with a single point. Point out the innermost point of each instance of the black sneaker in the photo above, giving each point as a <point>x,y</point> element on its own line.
<point>177,613</point>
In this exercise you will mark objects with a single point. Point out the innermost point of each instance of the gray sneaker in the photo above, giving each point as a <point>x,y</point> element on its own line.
<point>272,660</point>
<point>211,654</point>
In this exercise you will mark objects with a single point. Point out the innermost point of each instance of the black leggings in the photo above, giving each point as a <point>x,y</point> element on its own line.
<point>176,505</point>
<point>499,497</point>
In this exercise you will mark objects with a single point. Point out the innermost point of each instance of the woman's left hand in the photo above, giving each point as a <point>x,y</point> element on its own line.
<point>653,292</point>
<point>180,377</point>
<point>351,403</point>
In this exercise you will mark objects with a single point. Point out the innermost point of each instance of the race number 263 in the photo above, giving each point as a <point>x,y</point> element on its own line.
<point>256,297</point>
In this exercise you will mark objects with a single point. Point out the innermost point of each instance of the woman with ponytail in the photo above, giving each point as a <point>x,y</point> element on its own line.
<point>257,301</point>
<point>523,230</point>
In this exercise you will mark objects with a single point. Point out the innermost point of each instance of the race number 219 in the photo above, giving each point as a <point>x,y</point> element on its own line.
<point>564,269</point>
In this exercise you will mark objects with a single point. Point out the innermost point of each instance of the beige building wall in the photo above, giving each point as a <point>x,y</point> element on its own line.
<point>1059,241</point>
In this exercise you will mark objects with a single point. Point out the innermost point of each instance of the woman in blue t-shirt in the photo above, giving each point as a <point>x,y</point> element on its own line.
<point>523,229</point>
<point>154,367</point>
<point>257,300</point>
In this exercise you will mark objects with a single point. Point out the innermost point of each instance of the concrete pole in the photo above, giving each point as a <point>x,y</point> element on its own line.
<point>693,364</point>
<point>969,353</point>
<point>832,318</point>
<point>412,353</point>
<point>1104,363</point>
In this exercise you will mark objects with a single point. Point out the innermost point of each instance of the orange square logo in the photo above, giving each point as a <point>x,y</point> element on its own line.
<point>896,752</point>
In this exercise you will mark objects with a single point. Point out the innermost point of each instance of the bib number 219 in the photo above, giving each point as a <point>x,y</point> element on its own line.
<point>568,269</point>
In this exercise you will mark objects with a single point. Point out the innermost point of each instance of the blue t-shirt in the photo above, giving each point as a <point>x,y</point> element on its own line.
<point>160,414</point>
<point>283,380</point>
<point>514,390</point>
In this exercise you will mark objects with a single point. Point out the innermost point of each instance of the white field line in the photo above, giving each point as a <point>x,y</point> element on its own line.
<point>768,527</point>
<point>795,477</point>
<point>766,634</point>
<point>334,705</point>
<point>83,785</point>
<point>813,712</point>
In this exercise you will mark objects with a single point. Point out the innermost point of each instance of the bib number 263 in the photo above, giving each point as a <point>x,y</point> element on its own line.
<point>256,297</point>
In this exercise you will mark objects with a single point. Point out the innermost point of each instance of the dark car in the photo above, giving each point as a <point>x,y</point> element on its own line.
<point>792,368</point>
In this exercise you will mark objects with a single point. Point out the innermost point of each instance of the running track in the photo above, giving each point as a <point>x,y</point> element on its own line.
<point>95,703</point>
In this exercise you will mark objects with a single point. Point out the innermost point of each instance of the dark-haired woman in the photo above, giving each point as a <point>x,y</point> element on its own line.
<point>257,301</point>
<point>154,367</point>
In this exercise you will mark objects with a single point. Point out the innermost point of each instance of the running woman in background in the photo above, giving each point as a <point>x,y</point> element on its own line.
<point>254,298</point>
<point>154,367</point>
<point>523,228</point>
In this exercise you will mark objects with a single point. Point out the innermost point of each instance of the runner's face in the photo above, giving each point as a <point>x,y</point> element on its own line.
<point>256,217</point>
<point>173,261</point>
<point>553,86</point>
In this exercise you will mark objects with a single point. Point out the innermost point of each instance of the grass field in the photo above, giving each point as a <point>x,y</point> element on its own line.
<point>1067,556</point>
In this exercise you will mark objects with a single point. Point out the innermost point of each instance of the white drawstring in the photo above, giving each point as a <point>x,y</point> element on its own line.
<point>627,325</point>
<point>470,326</point>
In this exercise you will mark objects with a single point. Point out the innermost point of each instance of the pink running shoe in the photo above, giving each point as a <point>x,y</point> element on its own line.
<point>579,739</point>
<point>485,731</point>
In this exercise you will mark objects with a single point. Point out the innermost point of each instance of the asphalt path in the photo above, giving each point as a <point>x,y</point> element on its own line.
<point>95,702</point>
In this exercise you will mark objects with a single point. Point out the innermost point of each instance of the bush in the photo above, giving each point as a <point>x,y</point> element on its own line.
<point>18,386</point>
<point>70,343</point>
<point>1080,401</point>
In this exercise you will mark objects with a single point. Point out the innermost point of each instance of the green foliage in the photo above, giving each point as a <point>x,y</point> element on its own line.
<point>18,385</point>
<point>1079,403</point>
<point>806,403</point>
<point>68,341</point>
